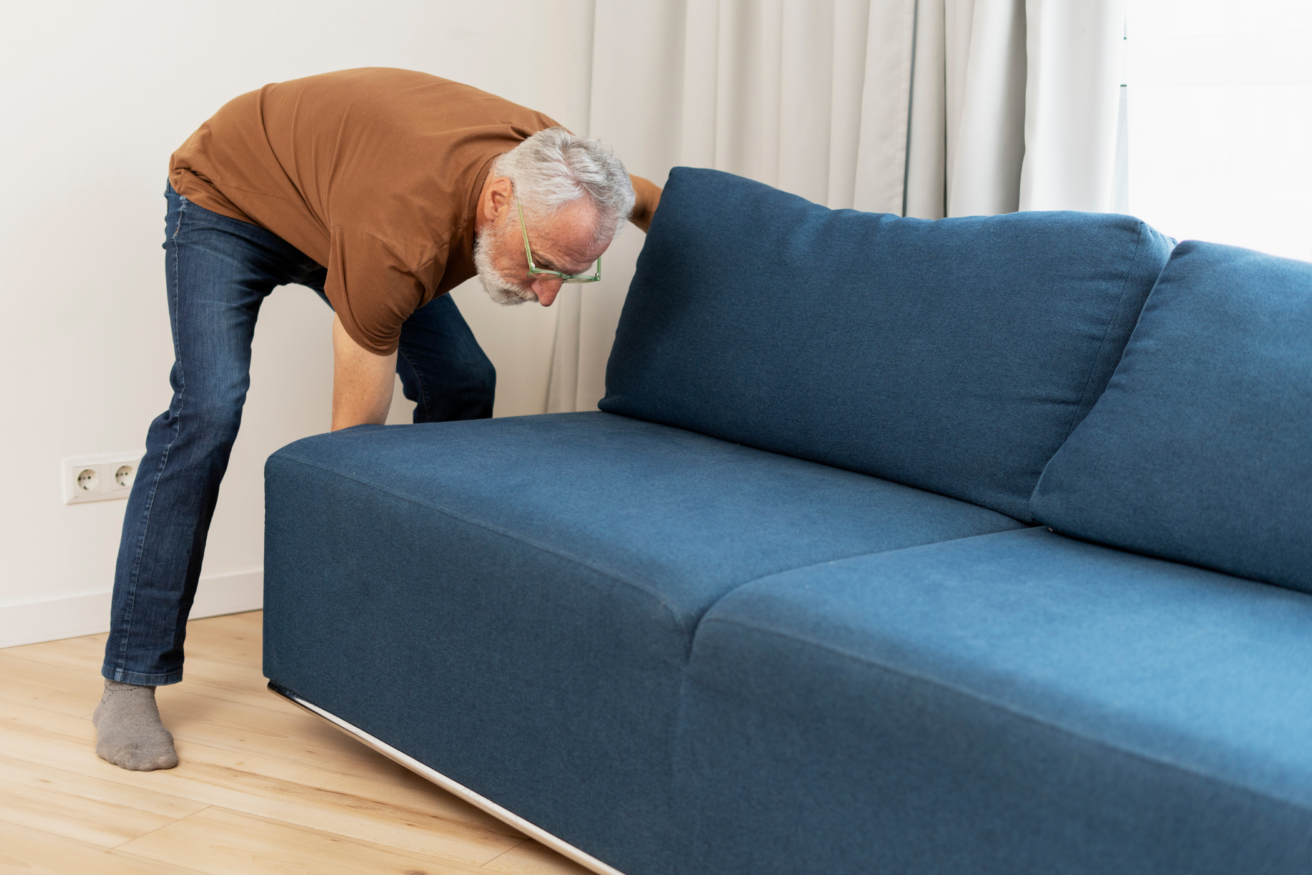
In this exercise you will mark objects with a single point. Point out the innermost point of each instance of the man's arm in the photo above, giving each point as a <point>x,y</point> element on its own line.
<point>362,382</point>
<point>647,197</point>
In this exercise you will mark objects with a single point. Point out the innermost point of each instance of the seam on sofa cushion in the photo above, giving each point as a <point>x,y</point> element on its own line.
<point>680,618</point>
<point>700,620</point>
<point>1086,403</point>
<point>1010,709</point>
<point>614,575</point>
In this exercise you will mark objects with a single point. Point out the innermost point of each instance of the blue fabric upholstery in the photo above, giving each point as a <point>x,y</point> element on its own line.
<point>513,601</point>
<point>1014,703</point>
<point>1201,448</point>
<point>953,356</point>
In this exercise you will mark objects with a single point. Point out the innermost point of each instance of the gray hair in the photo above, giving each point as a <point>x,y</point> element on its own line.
<point>554,168</point>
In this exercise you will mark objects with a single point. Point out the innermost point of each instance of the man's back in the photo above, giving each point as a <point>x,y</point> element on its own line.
<point>377,164</point>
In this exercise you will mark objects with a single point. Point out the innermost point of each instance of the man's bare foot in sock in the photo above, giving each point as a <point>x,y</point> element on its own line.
<point>128,730</point>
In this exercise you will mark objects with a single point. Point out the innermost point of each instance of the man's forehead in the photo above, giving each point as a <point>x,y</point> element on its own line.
<point>567,258</point>
<point>566,240</point>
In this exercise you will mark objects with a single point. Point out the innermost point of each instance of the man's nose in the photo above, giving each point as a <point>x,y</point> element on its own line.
<point>546,290</point>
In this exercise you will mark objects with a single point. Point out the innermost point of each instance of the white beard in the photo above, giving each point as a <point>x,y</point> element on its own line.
<point>498,288</point>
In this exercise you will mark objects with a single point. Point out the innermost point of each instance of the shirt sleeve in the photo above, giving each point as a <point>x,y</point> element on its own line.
<point>370,289</point>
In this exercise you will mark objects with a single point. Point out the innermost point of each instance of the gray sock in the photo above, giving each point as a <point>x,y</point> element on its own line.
<point>128,730</point>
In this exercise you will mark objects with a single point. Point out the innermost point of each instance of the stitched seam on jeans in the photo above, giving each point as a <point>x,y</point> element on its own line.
<point>1007,708</point>
<point>134,570</point>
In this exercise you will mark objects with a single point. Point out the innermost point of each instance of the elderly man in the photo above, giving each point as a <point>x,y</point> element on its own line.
<point>382,190</point>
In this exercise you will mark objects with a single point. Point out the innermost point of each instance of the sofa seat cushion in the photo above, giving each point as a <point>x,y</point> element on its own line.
<point>953,356</point>
<point>512,601</point>
<point>1014,703</point>
<point>1201,448</point>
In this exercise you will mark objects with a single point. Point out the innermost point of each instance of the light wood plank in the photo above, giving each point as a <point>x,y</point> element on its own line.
<point>413,815</point>
<point>252,764</point>
<point>81,787</point>
<point>235,638</point>
<point>39,736</point>
<point>239,719</point>
<point>221,842</point>
<point>231,682</point>
<point>235,680</point>
<point>284,732</point>
<point>86,652</point>
<point>32,852</point>
<point>51,687</point>
<point>87,820</point>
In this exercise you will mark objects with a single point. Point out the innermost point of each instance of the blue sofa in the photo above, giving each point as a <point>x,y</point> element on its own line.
<point>981,545</point>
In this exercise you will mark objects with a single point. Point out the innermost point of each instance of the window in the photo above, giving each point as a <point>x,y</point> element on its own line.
<point>1220,121</point>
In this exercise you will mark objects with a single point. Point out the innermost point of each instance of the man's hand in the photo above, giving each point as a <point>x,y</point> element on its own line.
<point>647,196</point>
<point>362,382</point>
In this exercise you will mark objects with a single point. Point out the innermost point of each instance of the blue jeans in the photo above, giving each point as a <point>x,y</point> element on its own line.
<point>219,272</point>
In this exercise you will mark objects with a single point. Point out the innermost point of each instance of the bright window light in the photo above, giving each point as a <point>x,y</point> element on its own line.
<point>1220,121</point>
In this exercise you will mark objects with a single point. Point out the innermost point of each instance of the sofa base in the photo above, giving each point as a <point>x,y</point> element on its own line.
<point>534,832</point>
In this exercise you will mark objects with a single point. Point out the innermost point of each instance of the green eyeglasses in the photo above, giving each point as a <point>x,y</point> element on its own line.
<point>534,270</point>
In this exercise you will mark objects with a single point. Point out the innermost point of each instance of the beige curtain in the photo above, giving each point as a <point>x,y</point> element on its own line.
<point>925,108</point>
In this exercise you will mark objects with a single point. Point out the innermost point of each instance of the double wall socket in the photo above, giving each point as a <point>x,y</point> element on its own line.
<point>98,478</point>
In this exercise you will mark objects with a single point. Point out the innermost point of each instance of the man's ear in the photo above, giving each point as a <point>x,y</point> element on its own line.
<point>500,198</point>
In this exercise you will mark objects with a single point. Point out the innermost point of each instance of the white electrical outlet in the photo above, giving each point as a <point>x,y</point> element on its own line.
<point>98,478</point>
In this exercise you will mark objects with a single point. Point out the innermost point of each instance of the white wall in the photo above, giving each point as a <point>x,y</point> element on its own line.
<point>93,99</point>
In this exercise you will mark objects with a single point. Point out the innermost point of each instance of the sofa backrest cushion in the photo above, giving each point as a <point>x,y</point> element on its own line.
<point>1200,450</point>
<point>954,356</point>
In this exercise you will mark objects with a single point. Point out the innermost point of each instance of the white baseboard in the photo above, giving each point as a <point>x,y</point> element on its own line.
<point>88,613</point>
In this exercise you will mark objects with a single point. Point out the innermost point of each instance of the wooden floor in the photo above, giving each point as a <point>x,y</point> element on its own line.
<point>263,786</point>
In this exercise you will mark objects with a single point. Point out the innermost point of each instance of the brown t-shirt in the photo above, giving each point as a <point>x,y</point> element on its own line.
<point>374,173</point>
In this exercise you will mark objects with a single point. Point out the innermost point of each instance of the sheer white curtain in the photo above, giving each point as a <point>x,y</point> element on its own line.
<point>923,108</point>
